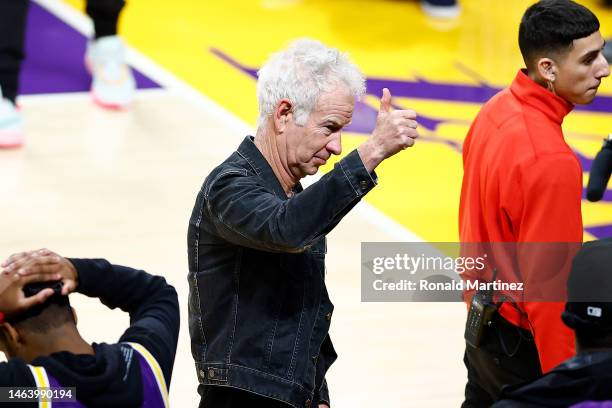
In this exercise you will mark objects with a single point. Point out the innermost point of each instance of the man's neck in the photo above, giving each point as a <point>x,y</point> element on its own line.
<point>538,80</point>
<point>266,143</point>
<point>66,338</point>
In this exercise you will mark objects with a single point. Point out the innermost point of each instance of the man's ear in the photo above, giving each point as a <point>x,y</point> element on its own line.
<point>282,114</point>
<point>11,339</point>
<point>547,69</point>
<point>74,315</point>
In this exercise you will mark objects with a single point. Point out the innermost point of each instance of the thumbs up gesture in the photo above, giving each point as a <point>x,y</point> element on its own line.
<point>385,102</point>
<point>395,131</point>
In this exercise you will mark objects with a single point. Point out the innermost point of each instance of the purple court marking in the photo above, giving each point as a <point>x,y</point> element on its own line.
<point>54,57</point>
<point>422,88</point>
<point>601,231</point>
<point>364,116</point>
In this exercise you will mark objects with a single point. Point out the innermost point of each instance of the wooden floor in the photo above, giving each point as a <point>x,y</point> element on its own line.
<point>121,185</point>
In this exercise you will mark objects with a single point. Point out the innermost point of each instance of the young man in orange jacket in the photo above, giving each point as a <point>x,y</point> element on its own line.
<point>523,184</point>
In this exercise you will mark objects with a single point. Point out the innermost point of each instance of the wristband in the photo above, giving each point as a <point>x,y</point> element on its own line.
<point>1,317</point>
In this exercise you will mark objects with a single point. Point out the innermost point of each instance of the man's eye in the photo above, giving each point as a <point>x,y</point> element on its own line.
<point>590,60</point>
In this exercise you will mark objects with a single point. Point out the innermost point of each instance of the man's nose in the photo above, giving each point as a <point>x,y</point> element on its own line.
<point>604,67</point>
<point>334,146</point>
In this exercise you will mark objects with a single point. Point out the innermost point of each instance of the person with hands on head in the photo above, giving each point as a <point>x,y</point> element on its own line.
<point>12,297</point>
<point>43,345</point>
<point>259,311</point>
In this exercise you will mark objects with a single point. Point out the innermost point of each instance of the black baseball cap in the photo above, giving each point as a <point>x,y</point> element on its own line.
<point>589,289</point>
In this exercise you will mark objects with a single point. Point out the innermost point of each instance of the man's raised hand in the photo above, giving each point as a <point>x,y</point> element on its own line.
<point>43,261</point>
<point>396,130</point>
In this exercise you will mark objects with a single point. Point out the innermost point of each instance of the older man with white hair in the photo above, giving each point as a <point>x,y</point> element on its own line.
<point>259,312</point>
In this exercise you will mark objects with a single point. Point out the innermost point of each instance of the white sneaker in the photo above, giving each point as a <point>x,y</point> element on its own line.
<point>11,124</point>
<point>113,85</point>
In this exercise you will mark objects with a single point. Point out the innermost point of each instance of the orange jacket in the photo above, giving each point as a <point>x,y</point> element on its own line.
<point>523,183</point>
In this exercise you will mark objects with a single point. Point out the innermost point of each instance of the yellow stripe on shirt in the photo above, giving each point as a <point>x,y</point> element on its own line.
<point>159,376</point>
<point>42,381</point>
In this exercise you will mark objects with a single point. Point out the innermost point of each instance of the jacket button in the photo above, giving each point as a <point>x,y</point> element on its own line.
<point>307,403</point>
<point>328,316</point>
<point>202,374</point>
<point>211,373</point>
<point>315,358</point>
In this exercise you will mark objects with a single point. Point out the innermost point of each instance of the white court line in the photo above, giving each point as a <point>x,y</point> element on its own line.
<point>168,80</point>
<point>86,95</point>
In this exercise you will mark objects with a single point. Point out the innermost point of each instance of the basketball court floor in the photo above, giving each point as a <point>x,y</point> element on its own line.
<point>121,185</point>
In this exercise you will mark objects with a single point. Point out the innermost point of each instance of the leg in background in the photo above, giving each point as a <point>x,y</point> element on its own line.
<point>113,85</point>
<point>13,16</point>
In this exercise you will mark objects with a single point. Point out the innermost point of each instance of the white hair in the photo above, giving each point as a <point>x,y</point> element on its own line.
<point>301,73</point>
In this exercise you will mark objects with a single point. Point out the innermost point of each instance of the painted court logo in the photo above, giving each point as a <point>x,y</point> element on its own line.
<point>364,116</point>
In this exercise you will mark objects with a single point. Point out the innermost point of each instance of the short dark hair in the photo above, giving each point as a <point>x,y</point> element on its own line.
<point>43,318</point>
<point>551,26</point>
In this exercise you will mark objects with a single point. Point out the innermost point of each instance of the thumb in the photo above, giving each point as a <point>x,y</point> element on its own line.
<point>385,101</point>
<point>69,286</point>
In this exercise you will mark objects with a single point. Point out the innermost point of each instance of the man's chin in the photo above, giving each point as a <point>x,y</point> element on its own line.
<point>307,171</point>
<point>588,97</point>
<point>312,170</point>
<point>585,100</point>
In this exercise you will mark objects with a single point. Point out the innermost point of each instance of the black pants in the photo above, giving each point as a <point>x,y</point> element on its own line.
<point>13,13</point>
<point>506,356</point>
<point>227,397</point>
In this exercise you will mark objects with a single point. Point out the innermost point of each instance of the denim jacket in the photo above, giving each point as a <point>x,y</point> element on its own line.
<point>259,312</point>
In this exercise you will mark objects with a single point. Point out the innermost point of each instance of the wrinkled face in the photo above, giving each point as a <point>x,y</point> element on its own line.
<point>580,72</point>
<point>308,147</point>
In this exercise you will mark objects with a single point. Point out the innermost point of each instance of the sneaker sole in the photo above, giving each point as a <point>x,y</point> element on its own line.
<point>10,140</point>
<point>109,106</point>
<point>100,102</point>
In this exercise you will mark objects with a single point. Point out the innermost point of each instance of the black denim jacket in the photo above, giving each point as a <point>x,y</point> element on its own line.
<point>259,312</point>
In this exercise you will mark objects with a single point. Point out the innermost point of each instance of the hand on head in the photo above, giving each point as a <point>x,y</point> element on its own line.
<point>33,266</point>
<point>396,130</point>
